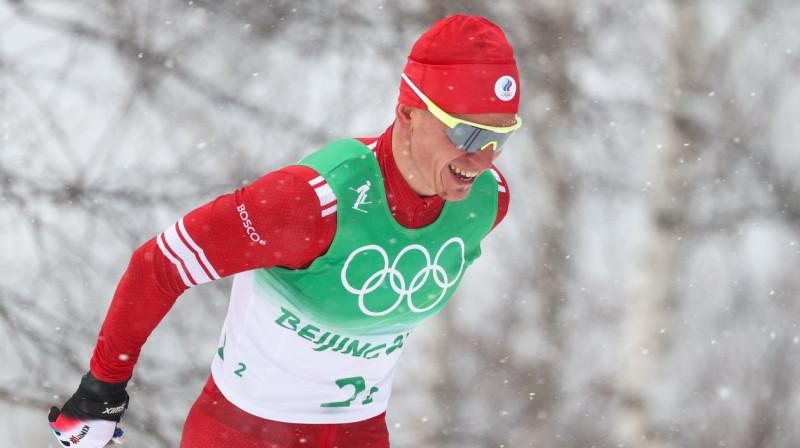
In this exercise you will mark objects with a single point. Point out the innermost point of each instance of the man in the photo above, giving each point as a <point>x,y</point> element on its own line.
<point>337,260</point>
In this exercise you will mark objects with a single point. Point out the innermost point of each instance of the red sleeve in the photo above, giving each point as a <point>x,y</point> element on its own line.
<point>279,220</point>
<point>503,196</point>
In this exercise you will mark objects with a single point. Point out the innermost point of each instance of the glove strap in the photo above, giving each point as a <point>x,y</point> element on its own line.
<point>97,399</point>
<point>102,410</point>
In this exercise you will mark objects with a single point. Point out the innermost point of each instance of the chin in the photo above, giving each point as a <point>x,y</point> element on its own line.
<point>455,195</point>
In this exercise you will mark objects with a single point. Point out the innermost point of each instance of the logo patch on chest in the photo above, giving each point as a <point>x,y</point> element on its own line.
<point>362,196</point>
<point>419,279</point>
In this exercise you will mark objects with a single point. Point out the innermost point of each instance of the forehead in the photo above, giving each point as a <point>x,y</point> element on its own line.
<point>494,119</point>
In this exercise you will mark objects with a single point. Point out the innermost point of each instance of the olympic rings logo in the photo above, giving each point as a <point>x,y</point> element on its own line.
<point>398,281</point>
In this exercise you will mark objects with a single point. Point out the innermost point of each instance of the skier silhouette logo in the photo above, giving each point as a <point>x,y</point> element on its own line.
<point>362,196</point>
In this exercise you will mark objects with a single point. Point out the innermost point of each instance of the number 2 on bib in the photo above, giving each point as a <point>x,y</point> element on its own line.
<point>359,386</point>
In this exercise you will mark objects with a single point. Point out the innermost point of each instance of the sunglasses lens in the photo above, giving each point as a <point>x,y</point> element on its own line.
<point>471,139</point>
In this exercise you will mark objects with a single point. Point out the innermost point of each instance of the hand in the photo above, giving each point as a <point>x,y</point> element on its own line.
<point>83,433</point>
<point>89,418</point>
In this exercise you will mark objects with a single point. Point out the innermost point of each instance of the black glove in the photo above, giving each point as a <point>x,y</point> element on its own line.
<point>89,418</point>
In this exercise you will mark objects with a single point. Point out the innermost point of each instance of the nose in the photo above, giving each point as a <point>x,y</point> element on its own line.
<point>482,159</point>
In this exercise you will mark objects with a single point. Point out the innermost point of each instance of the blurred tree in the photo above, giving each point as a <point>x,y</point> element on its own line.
<point>653,188</point>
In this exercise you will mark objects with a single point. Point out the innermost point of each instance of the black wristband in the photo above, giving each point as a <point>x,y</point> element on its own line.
<point>97,399</point>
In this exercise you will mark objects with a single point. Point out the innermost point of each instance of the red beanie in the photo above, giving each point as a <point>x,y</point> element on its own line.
<point>465,65</point>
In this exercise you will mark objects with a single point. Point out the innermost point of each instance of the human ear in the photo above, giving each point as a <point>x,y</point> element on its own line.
<point>403,117</point>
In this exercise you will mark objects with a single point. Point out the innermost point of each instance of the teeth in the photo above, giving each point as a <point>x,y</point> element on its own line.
<point>466,174</point>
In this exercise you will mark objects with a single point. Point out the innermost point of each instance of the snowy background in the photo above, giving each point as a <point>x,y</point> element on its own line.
<point>642,292</point>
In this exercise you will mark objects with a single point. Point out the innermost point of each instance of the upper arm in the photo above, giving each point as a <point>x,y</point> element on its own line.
<point>275,221</point>
<point>503,196</point>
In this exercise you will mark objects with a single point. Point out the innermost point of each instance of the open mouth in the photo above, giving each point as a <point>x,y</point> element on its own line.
<point>466,176</point>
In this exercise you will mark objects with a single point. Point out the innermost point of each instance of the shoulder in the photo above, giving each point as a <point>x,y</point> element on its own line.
<point>503,195</point>
<point>336,154</point>
<point>344,164</point>
<point>369,142</point>
<point>289,179</point>
<point>301,190</point>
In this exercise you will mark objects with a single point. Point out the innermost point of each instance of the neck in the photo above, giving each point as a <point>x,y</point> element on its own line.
<point>401,151</point>
<point>409,209</point>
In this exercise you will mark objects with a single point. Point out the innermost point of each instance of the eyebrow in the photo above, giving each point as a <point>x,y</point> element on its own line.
<point>503,124</point>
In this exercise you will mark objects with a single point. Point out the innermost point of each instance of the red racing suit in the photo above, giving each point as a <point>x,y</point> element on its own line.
<point>286,224</point>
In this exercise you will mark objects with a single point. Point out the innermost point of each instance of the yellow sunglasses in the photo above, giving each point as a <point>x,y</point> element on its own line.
<point>466,135</point>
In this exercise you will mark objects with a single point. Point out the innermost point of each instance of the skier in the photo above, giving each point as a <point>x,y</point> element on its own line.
<point>336,260</point>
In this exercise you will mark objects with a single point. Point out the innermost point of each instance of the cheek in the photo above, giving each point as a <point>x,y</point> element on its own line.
<point>433,151</point>
<point>441,156</point>
<point>426,150</point>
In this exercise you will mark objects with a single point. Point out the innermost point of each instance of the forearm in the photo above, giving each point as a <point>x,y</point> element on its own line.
<point>145,294</point>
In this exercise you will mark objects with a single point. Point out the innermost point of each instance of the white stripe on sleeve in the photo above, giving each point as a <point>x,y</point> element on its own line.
<point>327,199</point>
<point>198,251</point>
<point>175,261</point>
<point>329,210</point>
<point>189,258</point>
<point>500,187</point>
<point>325,193</point>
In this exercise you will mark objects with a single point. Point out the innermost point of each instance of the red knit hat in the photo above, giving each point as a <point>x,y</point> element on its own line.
<point>464,64</point>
